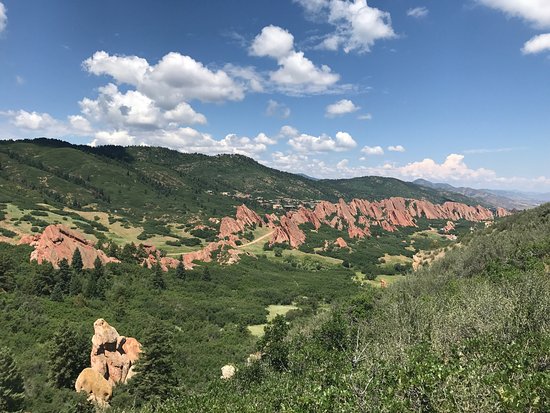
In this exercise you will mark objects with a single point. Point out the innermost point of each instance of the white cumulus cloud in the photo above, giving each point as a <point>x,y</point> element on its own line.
<point>396,148</point>
<point>536,12</point>
<point>357,25</point>
<point>305,143</point>
<point>373,150</point>
<point>340,108</point>
<point>296,74</point>
<point>537,44</point>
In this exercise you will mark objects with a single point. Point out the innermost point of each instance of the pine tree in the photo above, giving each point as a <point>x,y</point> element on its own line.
<point>64,276</point>
<point>44,279</point>
<point>12,387</point>
<point>7,281</point>
<point>206,274</point>
<point>57,293</point>
<point>180,270</point>
<point>156,377</point>
<point>75,286</point>
<point>76,261</point>
<point>95,287</point>
<point>158,278</point>
<point>273,343</point>
<point>68,355</point>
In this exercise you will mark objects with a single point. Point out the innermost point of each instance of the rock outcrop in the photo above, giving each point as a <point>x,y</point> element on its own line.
<point>98,389</point>
<point>112,360</point>
<point>244,217</point>
<point>58,242</point>
<point>359,215</point>
<point>113,355</point>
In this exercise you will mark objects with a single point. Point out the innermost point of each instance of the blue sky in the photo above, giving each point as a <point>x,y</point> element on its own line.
<point>448,90</point>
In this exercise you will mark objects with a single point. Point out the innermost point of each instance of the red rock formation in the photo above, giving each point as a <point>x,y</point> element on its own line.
<point>289,232</point>
<point>112,355</point>
<point>501,212</point>
<point>230,226</point>
<point>341,243</point>
<point>247,217</point>
<point>58,242</point>
<point>450,226</point>
<point>230,256</point>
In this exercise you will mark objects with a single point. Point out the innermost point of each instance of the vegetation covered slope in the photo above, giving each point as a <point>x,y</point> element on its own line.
<point>469,334</point>
<point>161,183</point>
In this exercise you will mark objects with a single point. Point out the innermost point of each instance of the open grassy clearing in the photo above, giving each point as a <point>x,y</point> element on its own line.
<point>388,279</point>
<point>274,310</point>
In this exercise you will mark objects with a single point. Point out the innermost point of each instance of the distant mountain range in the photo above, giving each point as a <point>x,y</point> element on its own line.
<point>493,197</point>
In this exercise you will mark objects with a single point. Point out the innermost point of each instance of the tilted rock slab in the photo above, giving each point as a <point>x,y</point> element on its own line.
<point>58,242</point>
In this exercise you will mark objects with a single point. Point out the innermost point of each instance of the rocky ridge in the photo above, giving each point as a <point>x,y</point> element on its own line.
<point>58,242</point>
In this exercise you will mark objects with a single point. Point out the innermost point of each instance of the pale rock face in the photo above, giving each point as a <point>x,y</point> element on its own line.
<point>341,243</point>
<point>112,355</point>
<point>98,389</point>
<point>112,360</point>
<point>58,242</point>
<point>228,371</point>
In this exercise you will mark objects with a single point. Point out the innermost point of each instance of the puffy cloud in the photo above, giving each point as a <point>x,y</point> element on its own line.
<point>263,138</point>
<point>46,125</point>
<point>396,148</point>
<point>276,109</point>
<point>373,150</point>
<point>536,12</point>
<point>340,108</point>
<point>184,113</point>
<point>357,25</point>
<point>3,17</point>
<point>296,74</point>
<point>185,140</point>
<point>32,120</point>
<point>175,78</point>
<point>288,131</point>
<point>135,110</point>
<point>274,42</point>
<point>418,12</point>
<point>306,143</point>
<point>537,44</point>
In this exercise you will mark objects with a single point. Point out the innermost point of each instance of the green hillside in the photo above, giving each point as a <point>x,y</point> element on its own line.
<point>158,183</point>
<point>469,334</point>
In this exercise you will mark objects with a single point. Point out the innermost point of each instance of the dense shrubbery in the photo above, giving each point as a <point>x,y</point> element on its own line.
<point>469,334</point>
<point>47,314</point>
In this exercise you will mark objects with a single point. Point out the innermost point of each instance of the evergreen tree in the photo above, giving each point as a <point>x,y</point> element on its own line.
<point>180,270</point>
<point>57,293</point>
<point>95,287</point>
<point>76,261</point>
<point>64,276</point>
<point>75,286</point>
<point>6,273</point>
<point>273,343</point>
<point>206,274</point>
<point>156,378</point>
<point>158,278</point>
<point>12,387</point>
<point>44,279</point>
<point>68,355</point>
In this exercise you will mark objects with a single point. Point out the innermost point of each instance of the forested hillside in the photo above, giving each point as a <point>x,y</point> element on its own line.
<point>470,334</point>
<point>160,183</point>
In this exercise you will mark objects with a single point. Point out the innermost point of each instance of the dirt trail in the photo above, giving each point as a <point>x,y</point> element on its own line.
<point>256,240</point>
<point>239,246</point>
